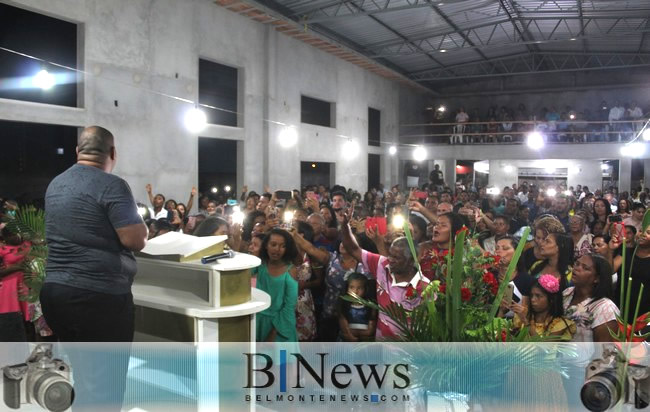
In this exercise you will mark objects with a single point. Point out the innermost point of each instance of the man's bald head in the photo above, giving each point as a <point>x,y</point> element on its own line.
<point>95,141</point>
<point>95,147</point>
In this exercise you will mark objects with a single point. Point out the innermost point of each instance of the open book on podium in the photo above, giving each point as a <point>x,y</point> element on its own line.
<point>179,247</point>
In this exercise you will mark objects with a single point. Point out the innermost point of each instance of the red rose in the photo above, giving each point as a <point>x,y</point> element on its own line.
<point>410,292</point>
<point>497,259</point>
<point>491,281</point>
<point>489,278</point>
<point>442,288</point>
<point>465,294</point>
<point>504,335</point>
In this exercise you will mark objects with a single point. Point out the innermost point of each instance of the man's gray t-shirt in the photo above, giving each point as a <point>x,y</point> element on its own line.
<point>83,207</point>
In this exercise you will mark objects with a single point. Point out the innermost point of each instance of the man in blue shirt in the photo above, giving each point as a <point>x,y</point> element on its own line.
<point>92,228</point>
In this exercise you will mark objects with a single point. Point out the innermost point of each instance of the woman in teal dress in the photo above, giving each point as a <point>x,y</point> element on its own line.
<point>277,277</point>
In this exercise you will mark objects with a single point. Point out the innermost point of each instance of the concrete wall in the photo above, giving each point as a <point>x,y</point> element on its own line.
<point>134,51</point>
<point>579,171</point>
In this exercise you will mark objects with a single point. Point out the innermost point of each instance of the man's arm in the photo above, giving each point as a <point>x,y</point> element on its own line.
<point>133,237</point>
<point>349,242</point>
<point>150,193</point>
<point>429,215</point>
<point>123,215</point>
<point>244,190</point>
<point>190,202</point>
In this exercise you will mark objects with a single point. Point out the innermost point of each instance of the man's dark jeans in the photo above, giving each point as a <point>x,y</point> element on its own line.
<point>79,315</point>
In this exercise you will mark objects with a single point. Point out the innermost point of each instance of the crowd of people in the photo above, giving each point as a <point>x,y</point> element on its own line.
<point>603,123</point>
<point>319,244</point>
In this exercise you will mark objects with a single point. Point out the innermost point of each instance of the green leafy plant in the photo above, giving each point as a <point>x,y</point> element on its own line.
<point>627,334</point>
<point>29,222</point>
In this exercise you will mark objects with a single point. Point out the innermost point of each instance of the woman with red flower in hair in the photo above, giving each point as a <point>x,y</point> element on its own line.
<point>521,280</point>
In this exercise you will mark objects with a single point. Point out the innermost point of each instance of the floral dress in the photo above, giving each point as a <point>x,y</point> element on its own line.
<point>335,283</point>
<point>583,246</point>
<point>305,310</point>
<point>588,314</point>
<point>560,326</point>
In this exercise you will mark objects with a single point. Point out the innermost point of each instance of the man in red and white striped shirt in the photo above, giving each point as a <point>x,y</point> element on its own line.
<point>398,280</point>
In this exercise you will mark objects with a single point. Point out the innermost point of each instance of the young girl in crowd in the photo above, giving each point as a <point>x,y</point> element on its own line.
<point>544,315</point>
<point>277,277</point>
<point>357,322</point>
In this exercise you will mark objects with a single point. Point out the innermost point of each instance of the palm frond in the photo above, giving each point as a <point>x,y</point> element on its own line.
<point>457,369</point>
<point>29,222</point>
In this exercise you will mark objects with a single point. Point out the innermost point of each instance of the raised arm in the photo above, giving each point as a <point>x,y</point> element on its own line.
<point>429,215</point>
<point>150,193</point>
<point>319,255</point>
<point>488,222</point>
<point>349,242</point>
<point>190,202</point>
<point>378,240</point>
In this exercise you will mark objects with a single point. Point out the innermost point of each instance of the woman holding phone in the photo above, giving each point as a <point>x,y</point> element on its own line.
<point>520,281</point>
<point>608,247</point>
<point>602,213</point>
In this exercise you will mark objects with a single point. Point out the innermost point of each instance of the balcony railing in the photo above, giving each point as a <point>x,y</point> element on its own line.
<point>515,132</point>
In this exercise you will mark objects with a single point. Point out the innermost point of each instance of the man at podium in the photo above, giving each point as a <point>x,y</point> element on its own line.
<point>92,228</point>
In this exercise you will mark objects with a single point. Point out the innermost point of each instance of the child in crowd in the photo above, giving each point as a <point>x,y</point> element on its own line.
<point>544,315</point>
<point>357,322</point>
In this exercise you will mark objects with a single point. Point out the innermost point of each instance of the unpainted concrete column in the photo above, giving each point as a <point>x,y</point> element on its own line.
<point>646,173</point>
<point>450,173</point>
<point>624,174</point>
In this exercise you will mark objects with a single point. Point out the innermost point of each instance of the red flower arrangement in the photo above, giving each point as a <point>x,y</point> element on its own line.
<point>465,293</point>
<point>413,293</point>
<point>491,281</point>
<point>640,323</point>
<point>410,292</point>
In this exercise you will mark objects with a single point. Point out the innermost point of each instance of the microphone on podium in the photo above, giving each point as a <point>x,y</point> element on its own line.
<point>213,258</point>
